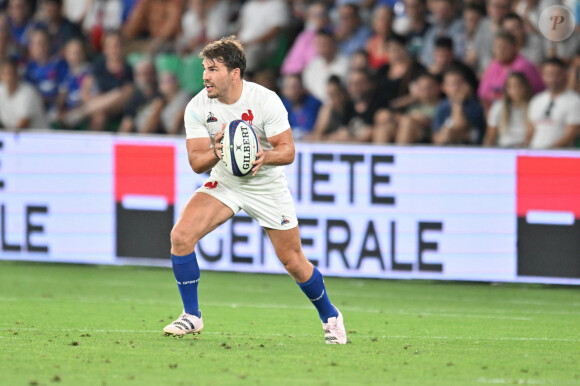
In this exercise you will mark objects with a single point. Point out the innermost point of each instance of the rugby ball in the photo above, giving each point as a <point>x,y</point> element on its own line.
<point>240,145</point>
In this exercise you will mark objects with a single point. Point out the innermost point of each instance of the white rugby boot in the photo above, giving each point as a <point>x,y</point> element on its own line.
<point>185,324</point>
<point>334,332</point>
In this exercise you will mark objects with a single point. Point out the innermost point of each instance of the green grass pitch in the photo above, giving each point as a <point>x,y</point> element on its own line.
<point>96,325</point>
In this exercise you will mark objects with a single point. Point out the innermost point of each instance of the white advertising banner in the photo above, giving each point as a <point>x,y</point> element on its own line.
<point>364,211</point>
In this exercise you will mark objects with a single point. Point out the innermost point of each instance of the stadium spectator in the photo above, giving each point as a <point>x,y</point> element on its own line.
<point>69,93</point>
<point>360,61</point>
<point>303,49</point>
<point>328,61</point>
<point>21,106</point>
<point>484,36</point>
<point>153,25</point>
<point>472,15</point>
<point>414,125</point>
<point>203,21</point>
<point>261,23</point>
<point>20,21</point>
<point>377,45</point>
<point>143,110</point>
<point>358,127</point>
<point>529,44</point>
<point>416,26</point>
<point>554,114</point>
<point>334,112</point>
<point>175,100</point>
<point>459,119</point>
<point>444,24</point>
<point>394,77</point>
<point>102,16</point>
<point>44,73</point>
<point>60,29</point>
<point>507,121</point>
<point>8,47</point>
<point>506,59</point>
<point>107,89</point>
<point>443,59</point>
<point>301,106</point>
<point>574,73</point>
<point>351,34</point>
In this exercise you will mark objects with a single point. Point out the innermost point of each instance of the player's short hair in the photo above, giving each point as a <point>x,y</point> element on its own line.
<point>227,50</point>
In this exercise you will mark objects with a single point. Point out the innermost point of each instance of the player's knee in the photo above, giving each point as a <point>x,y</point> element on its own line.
<point>180,238</point>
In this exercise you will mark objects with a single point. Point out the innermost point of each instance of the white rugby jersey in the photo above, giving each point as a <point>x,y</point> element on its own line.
<point>257,105</point>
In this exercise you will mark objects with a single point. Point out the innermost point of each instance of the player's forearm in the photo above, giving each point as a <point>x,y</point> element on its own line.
<point>282,154</point>
<point>202,161</point>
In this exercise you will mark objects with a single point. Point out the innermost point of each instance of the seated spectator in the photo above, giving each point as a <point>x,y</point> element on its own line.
<point>351,34</point>
<point>443,59</point>
<point>19,22</point>
<point>144,107</point>
<point>394,77</point>
<point>203,22</point>
<point>331,116</point>
<point>175,100</point>
<point>529,45</point>
<point>106,90</point>
<point>416,26</point>
<point>21,106</point>
<point>507,121</point>
<point>102,16</point>
<point>554,114</point>
<point>487,28</point>
<point>60,29</point>
<point>574,73</point>
<point>8,47</point>
<point>69,93</point>
<point>44,73</point>
<point>301,106</point>
<point>459,119</point>
<point>360,61</point>
<point>414,124</point>
<point>472,15</point>
<point>358,127</point>
<point>506,59</point>
<point>445,24</point>
<point>328,61</point>
<point>153,25</point>
<point>261,22</point>
<point>377,44</point>
<point>303,49</point>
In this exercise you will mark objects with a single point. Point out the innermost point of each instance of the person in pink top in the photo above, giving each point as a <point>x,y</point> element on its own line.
<point>304,48</point>
<point>506,60</point>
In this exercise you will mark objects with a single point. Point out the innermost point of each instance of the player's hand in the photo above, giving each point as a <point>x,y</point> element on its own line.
<point>217,146</point>
<point>259,160</point>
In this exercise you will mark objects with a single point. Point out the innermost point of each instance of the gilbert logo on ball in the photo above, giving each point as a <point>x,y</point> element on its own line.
<point>557,23</point>
<point>240,145</point>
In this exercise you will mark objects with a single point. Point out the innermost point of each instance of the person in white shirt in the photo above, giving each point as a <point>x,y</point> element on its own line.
<point>21,106</point>
<point>327,62</point>
<point>507,118</point>
<point>263,194</point>
<point>261,22</point>
<point>554,114</point>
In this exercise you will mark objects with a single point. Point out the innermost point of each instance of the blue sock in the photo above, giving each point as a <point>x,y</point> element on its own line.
<point>187,274</point>
<point>316,292</point>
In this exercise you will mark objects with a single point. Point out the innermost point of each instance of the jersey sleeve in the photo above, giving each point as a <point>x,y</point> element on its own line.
<point>276,120</point>
<point>194,127</point>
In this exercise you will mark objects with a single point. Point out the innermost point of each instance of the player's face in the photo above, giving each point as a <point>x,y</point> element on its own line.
<point>216,78</point>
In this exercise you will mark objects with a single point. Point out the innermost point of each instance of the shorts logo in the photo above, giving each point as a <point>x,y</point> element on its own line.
<point>284,220</point>
<point>211,118</point>
<point>210,185</point>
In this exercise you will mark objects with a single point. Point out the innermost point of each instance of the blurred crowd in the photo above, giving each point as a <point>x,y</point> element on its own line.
<point>474,72</point>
